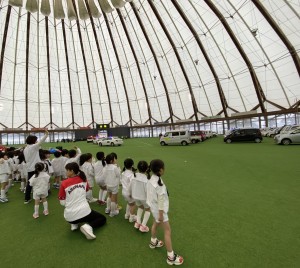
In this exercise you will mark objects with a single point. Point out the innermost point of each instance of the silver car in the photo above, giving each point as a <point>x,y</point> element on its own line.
<point>288,138</point>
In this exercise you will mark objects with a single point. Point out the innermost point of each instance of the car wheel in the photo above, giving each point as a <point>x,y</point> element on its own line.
<point>194,141</point>
<point>184,143</point>
<point>228,141</point>
<point>285,142</point>
<point>112,144</point>
<point>100,144</point>
<point>257,140</point>
<point>162,143</point>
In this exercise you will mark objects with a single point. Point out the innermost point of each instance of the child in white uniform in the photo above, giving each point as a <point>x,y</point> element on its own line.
<point>138,191</point>
<point>99,178</point>
<point>39,182</point>
<point>87,167</point>
<point>74,156</point>
<point>126,178</point>
<point>58,165</point>
<point>4,173</point>
<point>158,200</point>
<point>23,171</point>
<point>112,180</point>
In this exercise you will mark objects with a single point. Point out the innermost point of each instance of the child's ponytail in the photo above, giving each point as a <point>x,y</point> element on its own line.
<point>81,174</point>
<point>39,167</point>
<point>156,165</point>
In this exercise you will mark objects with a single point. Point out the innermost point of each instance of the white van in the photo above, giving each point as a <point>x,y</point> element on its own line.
<point>182,137</point>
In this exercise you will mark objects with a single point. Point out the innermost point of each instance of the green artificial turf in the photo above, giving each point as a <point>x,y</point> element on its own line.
<point>231,205</point>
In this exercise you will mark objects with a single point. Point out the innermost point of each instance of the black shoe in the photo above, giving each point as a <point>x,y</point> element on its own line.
<point>27,201</point>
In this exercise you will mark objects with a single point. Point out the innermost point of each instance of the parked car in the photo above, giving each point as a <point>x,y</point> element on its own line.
<point>288,138</point>
<point>97,139</point>
<point>90,139</point>
<point>197,136</point>
<point>244,134</point>
<point>110,141</point>
<point>3,148</point>
<point>288,129</point>
<point>182,137</point>
<point>208,134</point>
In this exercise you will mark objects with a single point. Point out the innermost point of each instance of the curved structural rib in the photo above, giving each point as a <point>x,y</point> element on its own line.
<point>177,56</point>
<point>192,29</point>
<point>280,33</point>
<point>259,92</point>
<point>155,59</point>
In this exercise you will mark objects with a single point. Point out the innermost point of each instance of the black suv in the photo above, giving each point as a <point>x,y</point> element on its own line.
<point>244,134</point>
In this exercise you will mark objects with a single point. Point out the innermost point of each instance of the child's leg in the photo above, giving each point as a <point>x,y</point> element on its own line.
<point>173,258</point>
<point>167,236</point>
<point>10,181</point>
<point>36,207</point>
<point>45,204</point>
<point>146,217</point>
<point>59,178</point>
<point>139,214</point>
<point>132,216</point>
<point>108,203</point>
<point>22,184</point>
<point>154,230</point>
<point>103,193</point>
<point>3,192</point>
<point>127,212</point>
<point>113,203</point>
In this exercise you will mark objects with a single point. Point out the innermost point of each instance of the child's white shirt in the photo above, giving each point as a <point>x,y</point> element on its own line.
<point>11,164</point>
<point>157,196</point>
<point>58,165</point>
<point>4,167</point>
<point>40,183</point>
<point>75,158</point>
<point>112,175</point>
<point>138,187</point>
<point>99,170</point>
<point>88,170</point>
<point>126,178</point>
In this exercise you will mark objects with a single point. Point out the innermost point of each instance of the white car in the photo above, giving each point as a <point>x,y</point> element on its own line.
<point>96,140</point>
<point>287,138</point>
<point>111,141</point>
<point>89,139</point>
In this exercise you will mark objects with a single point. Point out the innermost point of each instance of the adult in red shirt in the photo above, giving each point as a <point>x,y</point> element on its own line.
<point>72,195</point>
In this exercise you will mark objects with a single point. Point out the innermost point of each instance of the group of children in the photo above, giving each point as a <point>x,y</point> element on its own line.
<point>75,175</point>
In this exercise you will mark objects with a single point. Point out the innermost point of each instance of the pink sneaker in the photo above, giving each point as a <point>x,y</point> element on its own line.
<point>35,216</point>
<point>46,212</point>
<point>144,229</point>
<point>101,203</point>
<point>137,225</point>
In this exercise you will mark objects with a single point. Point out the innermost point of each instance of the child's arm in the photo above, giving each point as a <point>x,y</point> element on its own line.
<point>62,195</point>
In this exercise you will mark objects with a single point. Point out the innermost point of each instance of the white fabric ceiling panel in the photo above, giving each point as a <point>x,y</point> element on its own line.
<point>89,91</point>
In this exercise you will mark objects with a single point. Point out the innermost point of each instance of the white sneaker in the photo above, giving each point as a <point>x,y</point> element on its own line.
<point>74,227</point>
<point>87,230</point>
<point>126,217</point>
<point>115,213</point>
<point>3,200</point>
<point>132,218</point>
<point>107,211</point>
<point>93,200</point>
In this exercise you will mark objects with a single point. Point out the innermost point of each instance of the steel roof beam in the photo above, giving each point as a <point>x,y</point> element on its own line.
<point>155,59</point>
<point>259,92</point>
<point>279,32</point>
